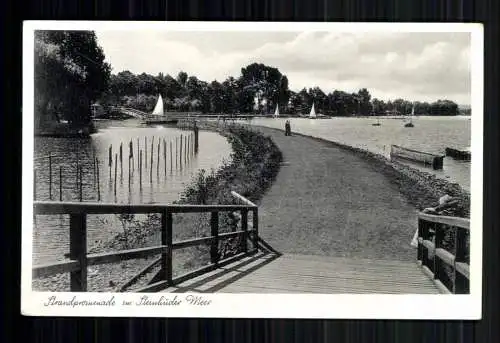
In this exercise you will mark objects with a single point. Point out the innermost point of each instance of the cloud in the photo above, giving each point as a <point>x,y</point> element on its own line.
<point>417,66</point>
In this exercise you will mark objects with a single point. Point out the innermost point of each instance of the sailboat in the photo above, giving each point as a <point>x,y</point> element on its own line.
<point>158,115</point>
<point>312,114</point>
<point>277,112</point>
<point>410,123</point>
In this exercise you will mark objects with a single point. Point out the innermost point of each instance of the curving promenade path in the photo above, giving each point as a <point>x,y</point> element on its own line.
<point>329,201</point>
<point>339,225</point>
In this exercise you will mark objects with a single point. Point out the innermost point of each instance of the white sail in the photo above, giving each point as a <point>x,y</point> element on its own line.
<point>413,111</point>
<point>158,111</point>
<point>313,112</point>
<point>277,112</point>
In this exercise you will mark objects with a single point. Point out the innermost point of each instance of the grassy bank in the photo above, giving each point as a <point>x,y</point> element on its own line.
<point>250,171</point>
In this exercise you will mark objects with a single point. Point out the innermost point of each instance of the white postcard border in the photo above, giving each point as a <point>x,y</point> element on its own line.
<point>347,306</point>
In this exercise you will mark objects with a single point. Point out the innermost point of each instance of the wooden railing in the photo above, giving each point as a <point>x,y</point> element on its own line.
<point>79,259</point>
<point>443,251</point>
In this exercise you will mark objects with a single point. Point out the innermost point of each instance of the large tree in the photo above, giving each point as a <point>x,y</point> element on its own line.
<point>70,73</point>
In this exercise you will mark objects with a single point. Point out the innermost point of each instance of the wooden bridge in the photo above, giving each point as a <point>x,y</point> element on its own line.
<point>184,115</point>
<point>256,267</point>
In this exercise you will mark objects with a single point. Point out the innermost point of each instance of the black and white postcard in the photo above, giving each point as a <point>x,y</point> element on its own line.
<point>209,169</point>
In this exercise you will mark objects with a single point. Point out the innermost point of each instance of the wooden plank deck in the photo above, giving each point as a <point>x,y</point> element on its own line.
<point>292,273</point>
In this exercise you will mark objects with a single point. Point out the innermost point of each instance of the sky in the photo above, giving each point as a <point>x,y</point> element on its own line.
<point>412,65</point>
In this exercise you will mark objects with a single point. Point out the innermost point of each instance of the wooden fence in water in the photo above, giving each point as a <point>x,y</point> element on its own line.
<point>443,251</point>
<point>163,155</point>
<point>79,259</point>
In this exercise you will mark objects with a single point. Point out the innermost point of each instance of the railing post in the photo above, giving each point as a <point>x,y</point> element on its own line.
<point>214,232</point>
<point>244,228</point>
<point>166,239</point>
<point>438,238</point>
<point>419,245</point>
<point>255,226</point>
<point>78,251</point>
<point>424,229</point>
<point>459,287</point>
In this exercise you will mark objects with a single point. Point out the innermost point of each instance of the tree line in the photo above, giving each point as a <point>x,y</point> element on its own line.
<point>71,74</point>
<point>258,89</point>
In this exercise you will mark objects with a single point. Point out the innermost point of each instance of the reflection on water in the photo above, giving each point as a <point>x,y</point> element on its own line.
<point>430,134</point>
<point>164,175</point>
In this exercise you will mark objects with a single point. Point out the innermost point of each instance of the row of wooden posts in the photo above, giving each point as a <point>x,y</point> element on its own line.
<point>186,146</point>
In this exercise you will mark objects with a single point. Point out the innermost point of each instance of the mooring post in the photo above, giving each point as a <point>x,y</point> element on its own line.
<point>116,160</point>
<point>60,183</point>
<point>110,159</point>
<point>131,153</point>
<point>137,152</point>
<point>158,160</point>
<point>95,172</point>
<point>121,161</point>
<point>50,175</point>
<point>145,153</point>
<point>165,155</point>
<point>180,153</point>
<point>191,146</point>
<point>140,170</point>
<point>195,129</point>
<point>176,155</point>
<point>185,149</point>
<point>129,163</point>
<point>98,181</point>
<point>151,162</point>
<point>171,154</point>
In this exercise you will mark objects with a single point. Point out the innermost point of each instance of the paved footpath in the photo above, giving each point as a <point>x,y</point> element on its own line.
<point>329,201</point>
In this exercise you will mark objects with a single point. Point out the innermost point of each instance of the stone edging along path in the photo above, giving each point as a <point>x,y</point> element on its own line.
<point>333,200</point>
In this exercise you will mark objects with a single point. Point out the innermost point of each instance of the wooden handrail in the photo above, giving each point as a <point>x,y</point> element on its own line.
<point>243,199</point>
<point>80,260</point>
<point>431,234</point>
<point>58,207</point>
<point>463,223</point>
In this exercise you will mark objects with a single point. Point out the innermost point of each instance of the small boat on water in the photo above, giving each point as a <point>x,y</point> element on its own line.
<point>377,123</point>
<point>436,161</point>
<point>463,154</point>
<point>312,114</point>
<point>158,115</point>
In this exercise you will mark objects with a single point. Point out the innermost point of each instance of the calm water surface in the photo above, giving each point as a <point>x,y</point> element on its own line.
<point>163,183</point>
<point>430,134</point>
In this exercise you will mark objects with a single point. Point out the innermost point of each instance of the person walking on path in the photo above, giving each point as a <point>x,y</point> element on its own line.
<point>288,130</point>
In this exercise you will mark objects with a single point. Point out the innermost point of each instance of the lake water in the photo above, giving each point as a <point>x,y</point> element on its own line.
<point>162,185</point>
<point>430,134</point>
